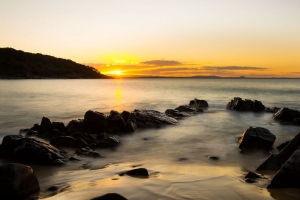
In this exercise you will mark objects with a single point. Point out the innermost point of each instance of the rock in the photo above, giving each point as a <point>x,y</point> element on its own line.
<point>63,141</point>
<point>116,122</point>
<point>250,180</point>
<point>131,126</point>
<point>32,151</point>
<point>175,113</point>
<point>79,143</point>
<point>296,121</point>
<point>95,121</point>
<point>59,126</point>
<point>196,103</point>
<point>287,115</point>
<point>272,109</point>
<point>46,125</point>
<point>239,104</point>
<point>138,172</point>
<point>257,138</point>
<point>110,196</point>
<point>31,133</point>
<point>88,152</point>
<point>282,145</point>
<point>274,162</point>
<point>76,125</point>
<point>108,142</point>
<point>186,108</point>
<point>125,114</point>
<point>18,182</point>
<point>35,127</point>
<point>213,157</point>
<point>252,175</point>
<point>289,174</point>
<point>152,116</point>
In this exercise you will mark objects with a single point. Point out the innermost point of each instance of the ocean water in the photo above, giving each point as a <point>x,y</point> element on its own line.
<point>176,156</point>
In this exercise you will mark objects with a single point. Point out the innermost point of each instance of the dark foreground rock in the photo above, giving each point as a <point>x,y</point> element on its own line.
<point>274,162</point>
<point>110,196</point>
<point>18,182</point>
<point>95,121</point>
<point>239,104</point>
<point>31,151</point>
<point>257,138</point>
<point>196,103</point>
<point>289,174</point>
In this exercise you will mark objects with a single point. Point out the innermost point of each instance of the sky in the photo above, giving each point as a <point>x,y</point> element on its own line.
<point>228,38</point>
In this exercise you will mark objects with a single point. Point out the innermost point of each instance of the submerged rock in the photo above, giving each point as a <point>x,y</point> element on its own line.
<point>287,115</point>
<point>186,108</point>
<point>175,113</point>
<point>151,116</point>
<point>88,152</point>
<point>257,138</point>
<point>239,104</point>
<point>31,151</point>
<point>110,196</point>
<point>138,172</point>
<point>18,182</point>
<point>196,103</point>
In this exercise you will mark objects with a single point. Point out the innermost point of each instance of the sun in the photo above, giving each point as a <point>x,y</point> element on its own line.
<point>118,72</point>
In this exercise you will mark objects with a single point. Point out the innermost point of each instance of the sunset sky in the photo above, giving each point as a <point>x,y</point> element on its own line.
<point>255,38</point>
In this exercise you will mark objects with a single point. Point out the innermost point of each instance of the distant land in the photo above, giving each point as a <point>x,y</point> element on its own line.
<point>17,64</point>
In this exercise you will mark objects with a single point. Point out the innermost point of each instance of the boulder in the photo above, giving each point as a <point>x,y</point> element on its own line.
<point>32,151</point>
<point>274,162</point>
<point>239,104</point>
<point>131,126</point>
<point>287,115</point>
<point>125,114</point>
<point>196,103</point>
<point>18,182</point>
<point>46,125</point>
<point>94,120</point>
<point>108,142</point>
<point>138,172</point>
<point>175,113</point>
<point>257,138</point>
<point>115,122</point>
<point>110,196</point>
<point>76,125</point>
<point>272,109</point>
<point>88,152</point>
<point>289,174</point>
<point>62,141</point>
<point>152,116</point>
<point>186,108</point>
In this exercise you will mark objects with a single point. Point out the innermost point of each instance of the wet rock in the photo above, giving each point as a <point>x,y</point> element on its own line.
<point>59,126</point>
<point>282,145</point>
<point>287,115</point>
<point>239,104</point>
<point>108,142</point>
<point>116,122</point>
<point>175,113</point>
<point>131,126</point>
<point>196,103</point>
<point>138,172</point>
<point>63,141</point>
<point>31,133</point>
<point>257,138</point>
<point>35,127</point>
<point>76,125</point>
<point>213,157</point>
<point>32,151</point>
<point>250,180</point>
<point>289,174</point>
<point>186,108</point>
<point>125,114</point>
<point>296,121</point>
<point>88,152</point>
<point>55,189</point>
<point>79,143</point>
<point>18,182</point>
<point>110,196</point>
<point>274,162</point>
<point>46,125</point>
<point>272,109</point>
<point>95,121</point>
<point>152,116</point>
<point>252,175</point>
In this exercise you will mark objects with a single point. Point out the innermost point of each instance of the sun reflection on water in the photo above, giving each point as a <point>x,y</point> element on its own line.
<point>118,94</point>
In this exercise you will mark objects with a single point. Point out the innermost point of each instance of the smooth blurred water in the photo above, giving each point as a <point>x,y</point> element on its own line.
<point>215,132</point>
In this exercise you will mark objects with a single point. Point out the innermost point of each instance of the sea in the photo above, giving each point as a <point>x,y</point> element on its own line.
<point>176,156</point>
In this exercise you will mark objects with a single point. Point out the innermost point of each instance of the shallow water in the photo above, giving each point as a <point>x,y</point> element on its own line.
<point>175,155</point>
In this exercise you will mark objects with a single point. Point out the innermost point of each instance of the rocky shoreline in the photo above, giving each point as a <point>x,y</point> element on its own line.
<point>43,143</point>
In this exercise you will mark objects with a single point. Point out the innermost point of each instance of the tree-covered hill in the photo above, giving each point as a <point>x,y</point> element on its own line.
<point>20,64</point>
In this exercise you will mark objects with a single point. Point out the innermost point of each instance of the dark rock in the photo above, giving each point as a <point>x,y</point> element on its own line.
<point>88,152</point>
<point>131,126</point>
<point>186,108</point>
<point>258,138</point>
<point>110,196</point>
<point>274,162</point>
<point>79,143</point>
<point>125,114</point>
<point>76,125</point>
<point>18,182</point>
<point>296,121</point>
<point>289,174</point>
<point>152,116</point>
<point>175,113</point>
<point>108,142</point>
<point>95,121</point>
<point>46,125</point>
<point>59,126</point>
<point>116,122</point>
<point>282,145</point>
<point>196,103</point>
<point>32,151</point>
<point>138,172</point>
<point>239,104</point>
<point>272,109</point>
<point>62,141</point>
<point>250,180</point>
<point>31,133</point>
<point>35,127</point>
<point>287,115</point>
<point>252,175</point>
<point>213,157</point>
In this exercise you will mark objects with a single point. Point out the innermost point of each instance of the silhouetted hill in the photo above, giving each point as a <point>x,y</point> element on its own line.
<point>20,64</point>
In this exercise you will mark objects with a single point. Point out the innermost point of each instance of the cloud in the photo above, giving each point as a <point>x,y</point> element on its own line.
<point>232,68</point>
<point>162,63</point>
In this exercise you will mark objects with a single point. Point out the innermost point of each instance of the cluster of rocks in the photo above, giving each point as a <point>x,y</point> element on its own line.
<point>239,104</point>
